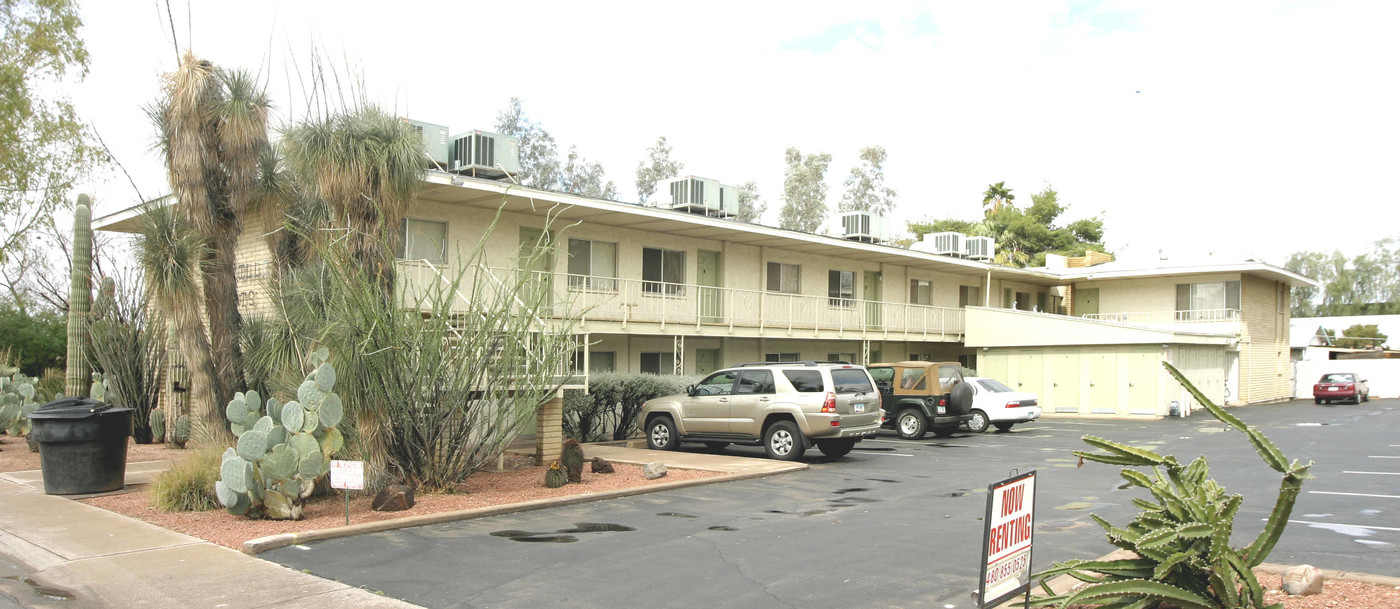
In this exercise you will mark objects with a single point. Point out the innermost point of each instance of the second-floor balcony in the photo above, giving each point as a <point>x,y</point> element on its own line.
<point>635,305</point>
<point>1213,321</point>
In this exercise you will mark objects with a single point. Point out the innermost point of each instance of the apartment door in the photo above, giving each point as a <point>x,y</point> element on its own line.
<point>535,260</point>
<point>1143,374</point>
<point>1030,372</point>
<point>1086,302</point>
<point>1103,381</point>
<point>706,361</point>
<point>1064,390</point>
<point>872,295</point>
<point>711,297</point>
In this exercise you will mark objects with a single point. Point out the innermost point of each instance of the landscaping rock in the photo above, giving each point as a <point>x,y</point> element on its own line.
<point>1302,580</point>
<point>654,470</point>
<point>601,466</point>
<point>394,498</point>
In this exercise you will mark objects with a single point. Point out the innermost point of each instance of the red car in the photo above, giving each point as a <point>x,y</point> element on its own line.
<point>1341,386</point>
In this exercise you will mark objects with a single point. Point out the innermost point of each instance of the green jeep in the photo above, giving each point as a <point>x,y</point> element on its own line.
<point>922,396</point>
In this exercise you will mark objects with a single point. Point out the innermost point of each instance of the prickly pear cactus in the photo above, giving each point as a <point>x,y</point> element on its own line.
<point>1182,536</point>
<point>17,400</point>
<point>282,448</point>
<point>180,432</point>
<point>157,421</point>
<point>102,389</point>
<point>555,476</point>
<point>573,460</point>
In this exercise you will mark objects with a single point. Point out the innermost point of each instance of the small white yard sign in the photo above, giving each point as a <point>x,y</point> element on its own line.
<point>348,475</point>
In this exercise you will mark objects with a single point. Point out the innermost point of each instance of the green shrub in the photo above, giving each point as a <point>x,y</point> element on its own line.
<point>613,401</point>
<point>188,486</point>
<point>1182,537</point>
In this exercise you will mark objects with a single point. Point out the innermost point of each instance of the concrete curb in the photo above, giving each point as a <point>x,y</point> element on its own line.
<point>1365,578</point>
<point>282,540</point>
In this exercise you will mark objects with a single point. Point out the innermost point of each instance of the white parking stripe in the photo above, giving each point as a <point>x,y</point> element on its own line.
<point>1372,473</point>
<point>1355,494</point>
<point>1334,524</point>
<point>886,454</point>
<point>1383,457</point>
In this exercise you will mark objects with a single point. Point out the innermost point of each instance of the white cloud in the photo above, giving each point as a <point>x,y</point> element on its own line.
<point>1232,127</point>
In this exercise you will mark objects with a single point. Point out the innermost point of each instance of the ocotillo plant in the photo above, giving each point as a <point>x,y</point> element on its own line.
<point>80,301</point>
<point>1182,536</point>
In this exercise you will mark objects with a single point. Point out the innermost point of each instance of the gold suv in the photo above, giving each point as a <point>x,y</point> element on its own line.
<point>787,407</point>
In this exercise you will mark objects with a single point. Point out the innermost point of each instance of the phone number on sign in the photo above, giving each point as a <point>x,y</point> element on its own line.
<point>1007,568</point>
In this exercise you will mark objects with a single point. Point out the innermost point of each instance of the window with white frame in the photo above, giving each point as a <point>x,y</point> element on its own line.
<point>658,362</point>
<point>969,296</point>
<point>785,278</point>
<point>598,361</point>
<point>841,357</point>
<point>663,271</point>
<point>592,265</point>
<point>422,240</point>
<point>782,357</point>
<point>841,288</point>
<point>1207,301</point>
<point>920,292</point>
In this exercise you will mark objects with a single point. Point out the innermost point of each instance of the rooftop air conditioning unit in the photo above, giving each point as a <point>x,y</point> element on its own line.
<point>860,226</point>
<point>980,248</point>
<point>434,141</point>
<point>943,244</point>
<point>698,196</point>
<point>484,154</point>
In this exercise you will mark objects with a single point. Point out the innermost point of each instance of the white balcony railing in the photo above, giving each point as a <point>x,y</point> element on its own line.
<point>593,298</point>
<point>1204,320</point>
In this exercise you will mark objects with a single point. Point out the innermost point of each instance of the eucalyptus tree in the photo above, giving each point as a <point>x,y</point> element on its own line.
<point>658,166</point>
<point>865,187</point>
<point>804,190</point>
<point>750,207</point>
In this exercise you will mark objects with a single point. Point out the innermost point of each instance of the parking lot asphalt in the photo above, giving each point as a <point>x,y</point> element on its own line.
<point>895,524</point>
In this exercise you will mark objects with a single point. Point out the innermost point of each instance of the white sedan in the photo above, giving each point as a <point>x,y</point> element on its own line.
<point>996,404</point>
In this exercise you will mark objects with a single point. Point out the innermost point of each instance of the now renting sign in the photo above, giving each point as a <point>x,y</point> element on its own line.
<point>1006,541</point>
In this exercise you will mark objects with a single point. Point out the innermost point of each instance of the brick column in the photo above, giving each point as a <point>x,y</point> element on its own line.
<point>549,431</point>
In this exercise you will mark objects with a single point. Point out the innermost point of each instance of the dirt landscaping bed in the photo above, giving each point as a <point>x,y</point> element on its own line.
<point>523,481</point>
<point>1336,594</point>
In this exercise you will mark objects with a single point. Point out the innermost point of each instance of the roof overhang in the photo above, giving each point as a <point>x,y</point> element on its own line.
<point>1258,269</point>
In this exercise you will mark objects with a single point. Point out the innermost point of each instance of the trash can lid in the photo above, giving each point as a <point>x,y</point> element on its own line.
<point>74,408</point>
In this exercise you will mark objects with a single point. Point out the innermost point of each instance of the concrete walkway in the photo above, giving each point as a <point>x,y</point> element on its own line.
<point>56,552</point>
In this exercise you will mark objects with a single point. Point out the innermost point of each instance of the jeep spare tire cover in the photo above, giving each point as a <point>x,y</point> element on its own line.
<point>960,399</point>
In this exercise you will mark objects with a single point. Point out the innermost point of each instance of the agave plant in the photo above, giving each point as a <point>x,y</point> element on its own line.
<point>1182,536</point>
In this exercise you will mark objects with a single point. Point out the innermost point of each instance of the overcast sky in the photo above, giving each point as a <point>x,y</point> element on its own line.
<point>1246,129</point>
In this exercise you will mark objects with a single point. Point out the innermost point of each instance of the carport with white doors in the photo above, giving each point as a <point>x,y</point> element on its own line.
<point>1079,366</point>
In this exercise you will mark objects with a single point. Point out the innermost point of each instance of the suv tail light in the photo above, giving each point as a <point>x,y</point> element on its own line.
<point>829,406</point>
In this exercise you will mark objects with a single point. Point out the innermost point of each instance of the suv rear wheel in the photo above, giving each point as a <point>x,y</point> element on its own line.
<point>911,424</point>
<point>836,448</point>
<point>661,434</point>
<point>783,441</point>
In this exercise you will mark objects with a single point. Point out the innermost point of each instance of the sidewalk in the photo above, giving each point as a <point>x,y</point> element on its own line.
<point>52,547</point>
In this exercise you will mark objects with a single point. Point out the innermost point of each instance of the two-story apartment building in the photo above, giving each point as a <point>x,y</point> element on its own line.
<point>669,292</point>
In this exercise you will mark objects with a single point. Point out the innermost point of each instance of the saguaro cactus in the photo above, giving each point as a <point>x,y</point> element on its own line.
<point>79,377</point>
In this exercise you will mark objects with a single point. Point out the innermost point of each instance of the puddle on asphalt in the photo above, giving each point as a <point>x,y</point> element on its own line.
<point>1058,525</point>
<point>557,537</point>
<point>722,528</point>
<point>850,500</point>
<point>946,445</point>
<point>1124,485</point>
<point>676,515</point>
<point>802,514</point>
<point>883,480</point>
<point>1075,505</point>
<point>850,490</point>
<point>1316,515</point>
<point>874,449</point>
<point>1310,424</point>
<point>958,494</point>
<point>55,594</point>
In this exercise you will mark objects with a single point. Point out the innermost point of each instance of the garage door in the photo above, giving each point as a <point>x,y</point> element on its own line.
<point>1144,373</point>
<point>1103,381</point>
<point>1205,368</point>
<point>1064,385</point>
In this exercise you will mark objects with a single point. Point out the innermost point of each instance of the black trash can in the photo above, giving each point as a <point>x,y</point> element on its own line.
<point>82,445</point>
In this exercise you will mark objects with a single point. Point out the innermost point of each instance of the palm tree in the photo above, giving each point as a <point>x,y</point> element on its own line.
<point>365,165</point>
<point>212,127</point>
<point>996,197</point>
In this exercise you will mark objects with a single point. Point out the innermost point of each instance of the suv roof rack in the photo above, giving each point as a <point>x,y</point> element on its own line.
<point>801,363</point>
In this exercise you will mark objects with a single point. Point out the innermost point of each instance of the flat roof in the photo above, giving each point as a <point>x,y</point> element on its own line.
<point>1121,270</point>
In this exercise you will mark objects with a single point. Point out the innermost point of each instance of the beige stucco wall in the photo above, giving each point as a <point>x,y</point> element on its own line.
<point>1265,365</point>
<point>628,349</point>
<point>1144,295</point>
<point>1010,328</point>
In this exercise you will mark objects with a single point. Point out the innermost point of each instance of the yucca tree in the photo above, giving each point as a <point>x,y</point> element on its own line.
<point>365,166</point>
<point>170,254</point>
<point>212,130</point>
